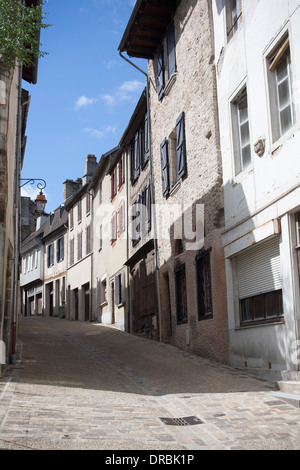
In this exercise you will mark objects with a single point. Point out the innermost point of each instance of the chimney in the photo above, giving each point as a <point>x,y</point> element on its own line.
<point>90,168</point>
<point>71,187</point>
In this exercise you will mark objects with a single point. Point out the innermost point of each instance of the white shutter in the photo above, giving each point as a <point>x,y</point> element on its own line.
<point>259,269</point>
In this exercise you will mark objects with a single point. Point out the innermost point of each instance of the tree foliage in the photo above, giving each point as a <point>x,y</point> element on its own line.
<point>19,32</point>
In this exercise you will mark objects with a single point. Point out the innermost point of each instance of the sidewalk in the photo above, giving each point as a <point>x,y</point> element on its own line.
<point>87,386</point>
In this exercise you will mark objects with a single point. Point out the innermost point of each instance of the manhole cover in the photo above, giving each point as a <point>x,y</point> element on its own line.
<point>187,421</point>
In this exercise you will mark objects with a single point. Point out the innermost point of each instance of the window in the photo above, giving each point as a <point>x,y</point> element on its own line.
<point>171,50</point>
<point>79,246</point>
<point>262,307</point>
<point>181,298</point>
<point>113,236</point>
<point>241,132</point>
<point>204,285</point>
<point>280,88</point>
<point>168,46</point>
<point>259,281</point>
<point>72,251</point>
<point>79,210</point>
<point>88,240</point>
<point>121,217</point>
<point>71,218</point>
<point>100,193</point>
<point>103,290</point>
<point>88,203</point>
<point>121,172</point>
<point>233,16</point>
<point>141,215</point>
<point>118,290</point>
<point>50,255</point>
<point>113,183</point>
<point>173,156</point>
<point>60,249</point>
<point>139,149</point>
<point>136,221</point>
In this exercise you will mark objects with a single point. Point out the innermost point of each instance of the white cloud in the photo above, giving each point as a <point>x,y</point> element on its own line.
<point>131,86</point>
<point>100,133</point>
<point>83,101</point>
<point>127,91</point>
<point>109,100</point>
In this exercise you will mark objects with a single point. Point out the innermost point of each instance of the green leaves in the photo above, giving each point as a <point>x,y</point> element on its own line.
<point>19,32</point>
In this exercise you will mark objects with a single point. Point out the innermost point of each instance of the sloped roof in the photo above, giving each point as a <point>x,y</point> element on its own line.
<point>146,27</point>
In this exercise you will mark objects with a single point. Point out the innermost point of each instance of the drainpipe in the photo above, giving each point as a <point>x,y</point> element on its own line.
<point>17,214</point>
<point>153,199</point>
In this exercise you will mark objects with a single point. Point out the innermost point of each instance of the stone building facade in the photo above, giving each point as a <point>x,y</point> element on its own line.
<point>140,257</point>
<point>14,104</point>
<point>177,41</point>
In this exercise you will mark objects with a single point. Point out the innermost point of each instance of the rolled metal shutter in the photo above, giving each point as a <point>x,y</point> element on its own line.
<point>259,269</point>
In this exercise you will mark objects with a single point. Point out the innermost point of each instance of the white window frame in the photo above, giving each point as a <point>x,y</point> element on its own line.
<point>233,18</point>
<point>273,57</point>
<point>239,166</point>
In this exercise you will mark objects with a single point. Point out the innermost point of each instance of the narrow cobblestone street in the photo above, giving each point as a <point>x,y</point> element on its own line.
<point>87,386</point>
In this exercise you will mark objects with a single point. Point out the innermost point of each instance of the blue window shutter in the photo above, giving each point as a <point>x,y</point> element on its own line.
<point>180,146</point>
<point>148,205</point>
<point>137,155</point>
<point>147,138</point>
<point>165,167</point>
<point>171,50</point>
<point>160,72</point>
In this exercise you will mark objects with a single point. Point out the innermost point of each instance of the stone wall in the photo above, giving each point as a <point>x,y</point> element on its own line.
<point>192,91</point>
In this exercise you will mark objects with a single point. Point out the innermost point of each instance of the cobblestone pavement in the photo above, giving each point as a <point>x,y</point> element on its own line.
<point>87,386</point>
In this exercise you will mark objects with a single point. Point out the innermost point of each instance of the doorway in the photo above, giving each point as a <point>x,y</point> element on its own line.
<point>75,291</point>
<point>113,318</point>
<point>86,292</point>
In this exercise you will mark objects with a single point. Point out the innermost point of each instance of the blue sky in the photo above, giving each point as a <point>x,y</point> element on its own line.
<point>85,94</point>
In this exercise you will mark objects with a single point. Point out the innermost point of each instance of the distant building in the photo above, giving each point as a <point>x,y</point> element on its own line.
<point>55,262</point>
<point>79,247</point>
<point>32,271</point>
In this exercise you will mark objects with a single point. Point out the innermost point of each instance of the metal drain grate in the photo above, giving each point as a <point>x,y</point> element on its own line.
<point>187,421</point>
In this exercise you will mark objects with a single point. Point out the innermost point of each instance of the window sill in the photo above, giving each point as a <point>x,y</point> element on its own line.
<point>243,174</point>
<point>208,316</point>
<point>170,84</point>
<point>276,146</point>
<point>272,322</point>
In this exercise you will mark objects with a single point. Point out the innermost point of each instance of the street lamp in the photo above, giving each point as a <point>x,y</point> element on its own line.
<point>40,203</point>
<point>41,200</point>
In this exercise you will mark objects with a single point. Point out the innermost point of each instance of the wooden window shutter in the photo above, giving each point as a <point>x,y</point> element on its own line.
<point>146,139</point>
<point>160,72</point>
<point>165,167</point>
<point>132,161</point>
<point>137,155</point>
<point>171,50</point>
<point>148,205</point>
<point>180,146</point>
